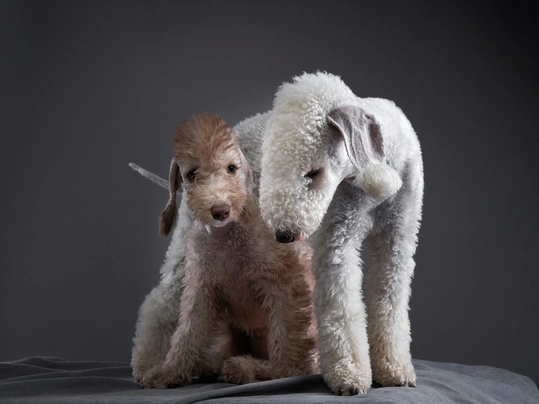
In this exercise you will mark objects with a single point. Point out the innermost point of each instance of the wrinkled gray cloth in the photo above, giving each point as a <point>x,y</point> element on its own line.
<point>53,380</point>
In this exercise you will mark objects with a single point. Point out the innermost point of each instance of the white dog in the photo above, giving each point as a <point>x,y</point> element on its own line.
<point>351,170</point>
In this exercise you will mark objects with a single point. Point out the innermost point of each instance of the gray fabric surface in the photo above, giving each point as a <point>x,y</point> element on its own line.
<point>53,380</point>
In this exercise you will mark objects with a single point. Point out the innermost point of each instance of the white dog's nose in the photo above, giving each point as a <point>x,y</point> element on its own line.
<point>284,236</point>
<point>220,212</point>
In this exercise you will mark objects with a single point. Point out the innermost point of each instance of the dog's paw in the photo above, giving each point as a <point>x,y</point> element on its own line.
<point>244,369</point>
<point>388,374</point>
<point>154,379</point>
<point>236,370</point>
<point>161,378</point>
<point>348,380</point>
<point>137,375</point>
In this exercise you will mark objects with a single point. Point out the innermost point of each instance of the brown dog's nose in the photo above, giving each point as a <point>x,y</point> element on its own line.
<point>220,212</point>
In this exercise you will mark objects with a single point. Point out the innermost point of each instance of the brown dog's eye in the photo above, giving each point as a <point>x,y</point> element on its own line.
<point>231,169</point>
<point>191,175</point>
<point>311,174</point>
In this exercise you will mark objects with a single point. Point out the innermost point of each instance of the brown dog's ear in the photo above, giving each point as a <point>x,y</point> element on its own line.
<point>167,218</point>
<point>364,143</point>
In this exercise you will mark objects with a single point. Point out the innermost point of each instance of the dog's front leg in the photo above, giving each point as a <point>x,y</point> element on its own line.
<point>392,245</point>
<point>342,333</point>
<point>212,359</point>
<point>194,333</point>
<point>291,343</point>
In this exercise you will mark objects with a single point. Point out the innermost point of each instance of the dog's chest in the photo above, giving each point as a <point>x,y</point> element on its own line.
<point>241,306</point>
<point>228,258</point>
<point>230,267</point>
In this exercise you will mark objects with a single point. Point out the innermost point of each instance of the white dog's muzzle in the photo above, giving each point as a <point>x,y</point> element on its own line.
<point>286,236</point>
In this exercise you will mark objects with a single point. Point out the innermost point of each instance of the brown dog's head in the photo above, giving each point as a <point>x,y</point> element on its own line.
<point>209,163</point>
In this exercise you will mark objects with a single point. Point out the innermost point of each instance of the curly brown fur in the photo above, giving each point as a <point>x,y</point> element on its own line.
<point>246,307</point>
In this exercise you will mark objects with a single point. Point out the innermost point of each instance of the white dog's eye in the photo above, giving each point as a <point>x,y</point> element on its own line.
<point>231,169</point>
<point>313,173</point>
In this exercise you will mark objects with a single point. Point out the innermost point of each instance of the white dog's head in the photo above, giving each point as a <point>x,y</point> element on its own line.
<point>315,137</point>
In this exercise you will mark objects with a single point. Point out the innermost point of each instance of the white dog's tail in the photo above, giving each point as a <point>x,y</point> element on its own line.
<point>149,175</point>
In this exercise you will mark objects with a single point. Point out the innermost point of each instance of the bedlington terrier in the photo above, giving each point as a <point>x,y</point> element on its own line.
<point>243,291</point>
<point>349,169</point>
<point>159,313</point>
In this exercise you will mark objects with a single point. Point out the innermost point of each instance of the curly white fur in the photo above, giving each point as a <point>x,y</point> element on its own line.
<point>379,181</point>
<point>349,169</point>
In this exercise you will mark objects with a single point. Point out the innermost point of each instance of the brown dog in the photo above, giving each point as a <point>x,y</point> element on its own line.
<point>246,312</point>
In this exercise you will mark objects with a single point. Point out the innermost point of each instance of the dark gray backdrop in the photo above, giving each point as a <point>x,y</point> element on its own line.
<point>89,86</point>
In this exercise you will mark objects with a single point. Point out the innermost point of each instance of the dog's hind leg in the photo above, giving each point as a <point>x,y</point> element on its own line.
<point>158,318</point>
<point>159,314</point>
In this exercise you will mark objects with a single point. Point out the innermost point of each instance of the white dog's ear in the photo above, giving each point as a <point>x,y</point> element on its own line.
<point>365,147</point>
<point>167,218</point>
